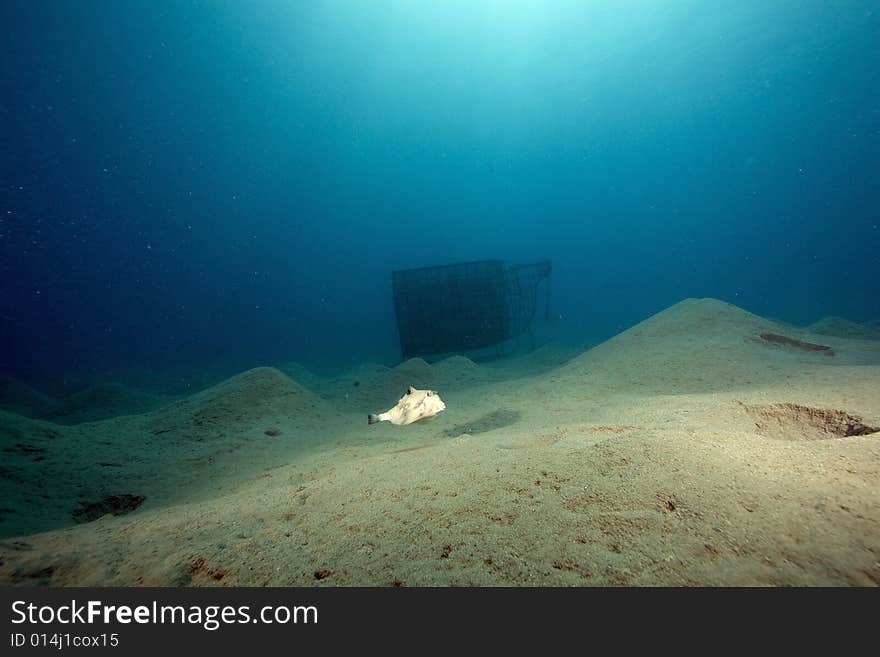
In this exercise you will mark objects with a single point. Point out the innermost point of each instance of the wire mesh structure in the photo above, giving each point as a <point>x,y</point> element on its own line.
<point>464,306</point>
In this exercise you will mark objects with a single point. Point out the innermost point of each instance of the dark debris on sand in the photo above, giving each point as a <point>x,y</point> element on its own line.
<point>118,505</point>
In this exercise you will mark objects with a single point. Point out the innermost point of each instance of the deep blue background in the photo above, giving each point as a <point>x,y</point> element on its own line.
<point>191,183</point>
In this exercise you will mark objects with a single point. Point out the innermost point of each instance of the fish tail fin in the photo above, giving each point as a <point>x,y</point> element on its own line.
<point>372,419</point>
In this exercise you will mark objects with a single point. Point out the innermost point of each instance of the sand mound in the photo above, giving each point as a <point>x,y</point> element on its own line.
<point>414,367</point>
<point>257,393</point>
<point>16,397</point>
<point>103,401</point>
<point>456,371</point>
<point>698,318</point>
<point>216,437</point>
<point>456,364</point>
<point>701,345</point>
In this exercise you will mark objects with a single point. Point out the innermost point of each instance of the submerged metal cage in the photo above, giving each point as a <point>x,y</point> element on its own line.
<point>464,306</point>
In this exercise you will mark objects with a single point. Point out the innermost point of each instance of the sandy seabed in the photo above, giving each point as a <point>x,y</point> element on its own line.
<point>688,450</point>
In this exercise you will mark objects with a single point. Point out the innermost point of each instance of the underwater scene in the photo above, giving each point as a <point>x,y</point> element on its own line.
<point>457,293</point>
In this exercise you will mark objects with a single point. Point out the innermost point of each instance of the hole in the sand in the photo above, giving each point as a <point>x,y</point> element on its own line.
<point>494,420</point>
<point>797,422</point>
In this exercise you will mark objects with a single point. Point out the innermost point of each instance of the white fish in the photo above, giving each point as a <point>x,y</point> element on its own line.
<point>415,405</point>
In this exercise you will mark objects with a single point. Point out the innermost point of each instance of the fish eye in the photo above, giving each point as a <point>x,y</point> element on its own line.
<point>430,393</point>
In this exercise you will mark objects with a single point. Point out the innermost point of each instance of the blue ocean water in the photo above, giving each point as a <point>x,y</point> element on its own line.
<point>198,184</point>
